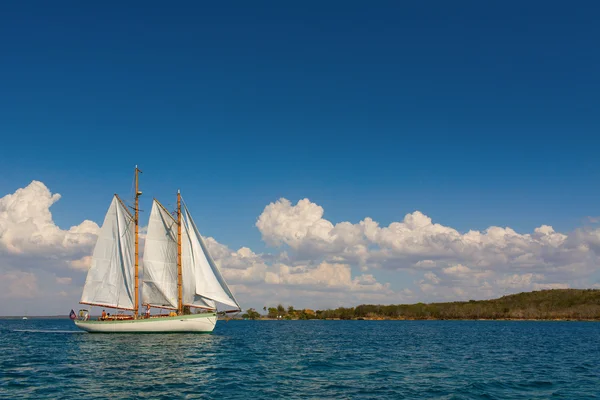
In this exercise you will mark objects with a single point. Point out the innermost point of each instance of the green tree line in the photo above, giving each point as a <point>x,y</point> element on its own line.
<point>544,304</point>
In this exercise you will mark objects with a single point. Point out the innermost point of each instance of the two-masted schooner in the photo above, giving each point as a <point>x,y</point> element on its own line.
<point>179,273</point>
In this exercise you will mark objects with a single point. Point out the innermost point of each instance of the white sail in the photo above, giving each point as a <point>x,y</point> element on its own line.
<point>188,272</point>
<point>110,280</point>
<point>209,284</point>
<point>159,286</point>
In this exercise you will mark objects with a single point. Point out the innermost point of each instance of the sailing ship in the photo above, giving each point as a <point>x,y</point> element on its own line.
<point>179,274</point>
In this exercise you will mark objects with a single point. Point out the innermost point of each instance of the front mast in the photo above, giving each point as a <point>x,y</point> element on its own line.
<point>179,277</point>
<point>136,219</point>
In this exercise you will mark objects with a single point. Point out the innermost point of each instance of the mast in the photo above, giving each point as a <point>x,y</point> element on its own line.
<point>179,275</point>
<point>136,219</point>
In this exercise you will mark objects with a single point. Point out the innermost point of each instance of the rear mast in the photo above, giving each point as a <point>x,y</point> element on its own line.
<point>136,219</point>
<point>179,275</point>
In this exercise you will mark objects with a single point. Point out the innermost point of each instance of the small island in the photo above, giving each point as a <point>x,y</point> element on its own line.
<point>555,304</point>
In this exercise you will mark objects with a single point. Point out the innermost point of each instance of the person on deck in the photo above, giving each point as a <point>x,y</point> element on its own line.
<point>103,314</point>
<point>148,312</point>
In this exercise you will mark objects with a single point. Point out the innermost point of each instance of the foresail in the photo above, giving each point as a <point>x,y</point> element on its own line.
<point>159,285</point>
<point>188,268</point>
<point>209,283</point>
<point>110,280</point>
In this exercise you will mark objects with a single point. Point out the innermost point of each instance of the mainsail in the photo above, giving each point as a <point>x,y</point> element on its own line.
<point>110,280</point>
<point>159,286</point>
<point>210,286</point>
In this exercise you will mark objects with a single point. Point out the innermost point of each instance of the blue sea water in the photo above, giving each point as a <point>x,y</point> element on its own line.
<point>305,359</point>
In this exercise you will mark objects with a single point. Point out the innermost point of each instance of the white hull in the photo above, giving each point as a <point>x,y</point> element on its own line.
<point>200,323</point>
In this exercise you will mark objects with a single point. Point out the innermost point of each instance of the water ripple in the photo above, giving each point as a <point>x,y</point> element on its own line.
<point>305,359</point>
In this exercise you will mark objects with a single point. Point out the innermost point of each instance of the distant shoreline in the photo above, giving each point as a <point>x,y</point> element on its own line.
<point>543,305</point>
<point>355,319</point>
<point>427,319</point>
<point>35,317</point>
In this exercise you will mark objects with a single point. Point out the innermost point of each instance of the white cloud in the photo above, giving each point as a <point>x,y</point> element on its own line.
<point>82,263</point>
<point>26,224</point>
<point>18,285</point>
<point>457,270</point>
<point>476,263</point>
<point>64,281</point>
<point>33,248</point>
<point>303,229</point>
<point>324,276</point>
<point>432,277</point>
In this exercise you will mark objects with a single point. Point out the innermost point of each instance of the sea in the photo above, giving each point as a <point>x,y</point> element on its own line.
<point>51,359</point>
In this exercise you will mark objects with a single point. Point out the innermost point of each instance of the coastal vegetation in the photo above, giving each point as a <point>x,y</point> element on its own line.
<point>555,304</point>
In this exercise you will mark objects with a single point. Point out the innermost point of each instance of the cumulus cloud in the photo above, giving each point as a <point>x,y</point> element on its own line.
<point>18,285</point>
<point>303,228</point>
<point>453,264</point>
<point>82,263</point>
<point>33,248</point>
<point>324,276</point>
<point>26,224</point>
<point>256,279</point>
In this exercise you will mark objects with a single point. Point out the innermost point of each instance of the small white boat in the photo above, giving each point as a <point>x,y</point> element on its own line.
<point>24,317</point>
<point>179,273</point>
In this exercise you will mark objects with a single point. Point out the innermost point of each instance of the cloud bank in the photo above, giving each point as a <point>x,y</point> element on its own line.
<point>446,264</point>
<point>314,262</point>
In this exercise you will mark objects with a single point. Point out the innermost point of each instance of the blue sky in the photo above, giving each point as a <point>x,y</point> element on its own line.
<point>475,113</point>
